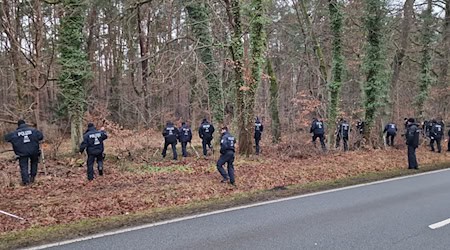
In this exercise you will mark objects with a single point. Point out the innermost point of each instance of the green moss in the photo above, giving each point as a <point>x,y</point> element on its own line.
<point>198,13</point>
<point>426,79</point>
<point>75,67</point>
<point>374,61</point>
<point>169,169</point>
<point>334,86</point>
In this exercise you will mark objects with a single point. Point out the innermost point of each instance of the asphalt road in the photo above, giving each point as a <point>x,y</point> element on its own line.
<point>389,215</point>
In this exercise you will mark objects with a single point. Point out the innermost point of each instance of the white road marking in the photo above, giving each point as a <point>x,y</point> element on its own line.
<point>96,236</point>
<point>439,224</point>
<point>12,215</point>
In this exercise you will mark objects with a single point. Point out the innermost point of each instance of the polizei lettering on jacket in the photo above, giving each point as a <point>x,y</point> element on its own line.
<point>170,130</point>
<point>206,128</point>
<point>95,137</point>
<point>25,133</point>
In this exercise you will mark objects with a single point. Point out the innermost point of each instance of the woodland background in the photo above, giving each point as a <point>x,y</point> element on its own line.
<point>141,63</point>
<point>131,65</point>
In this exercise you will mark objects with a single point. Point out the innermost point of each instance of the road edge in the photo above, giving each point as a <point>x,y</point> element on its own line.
<point>102,228</point>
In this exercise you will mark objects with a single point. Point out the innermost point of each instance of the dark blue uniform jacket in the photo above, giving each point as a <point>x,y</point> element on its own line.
<point>390,128</point>
<point>227,143</point>
<point>437,131</point>
<point>25,140</point>
<point>206,130</point>
<point>170,134</point>
<point>185,134</point>
<point>412,136</point>
<point>317,128</point>
<point>344,129</point>
<point>259,128</point>
<point>93,141</point>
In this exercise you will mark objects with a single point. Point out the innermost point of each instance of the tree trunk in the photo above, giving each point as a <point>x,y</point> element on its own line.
<point>144,65</point>
<point>374,62</point>
<point>334,86</point>
<point>317,47</point>
<point>76,130</point>
<point>443,76</point>
<point>113,92</point>
<point>237,52</point>
<point>274,114</point>
<point>257,51</point>
<point>426,79</point>
<point>131,54</point>
<point>199,15</point>
<point>75,68</point>
<point>38,26</point>
<point>408,15</point>
<point>11,23</point>
<point>92,30</point>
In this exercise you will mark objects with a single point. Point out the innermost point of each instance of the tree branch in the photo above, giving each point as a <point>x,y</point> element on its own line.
<point>51,2</point>
<point>7,121</point>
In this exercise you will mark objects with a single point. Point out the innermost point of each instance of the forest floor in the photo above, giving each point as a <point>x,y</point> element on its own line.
<point>138,184</point>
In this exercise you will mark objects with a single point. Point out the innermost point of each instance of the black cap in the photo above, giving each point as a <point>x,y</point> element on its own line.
<point>225,128</point>
<point>20,122</point>
<point>205,120</point>
<point>411,120</point>
<point>91,125</point>
<point>183,123</point>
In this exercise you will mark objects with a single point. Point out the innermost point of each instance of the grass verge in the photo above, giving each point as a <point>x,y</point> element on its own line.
<point>42,235</point>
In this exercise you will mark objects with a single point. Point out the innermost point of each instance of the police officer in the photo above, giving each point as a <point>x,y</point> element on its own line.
<point>170,134</point>
<point>93,144</point>
<point>412,140</point>
<point>360,126</point>
<point>436,134</point>
<point>227,149</point>
<point>391,131</point>
<point>206,131</point>
<point>258,132</point>
<point>318,131</point>
<point>342,133</point>
<point>185,137</point>
<point>25,142</point>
